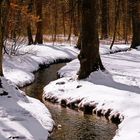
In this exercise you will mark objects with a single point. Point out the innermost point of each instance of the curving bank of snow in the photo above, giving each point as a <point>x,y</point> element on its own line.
<point>19,68</point>
<point>22,117</point>
<point>115,92</point>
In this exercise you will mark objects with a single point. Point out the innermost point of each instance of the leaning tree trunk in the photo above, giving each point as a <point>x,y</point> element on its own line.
<point>89,55</point>
<point>135,7</point>
<point>39,33</point>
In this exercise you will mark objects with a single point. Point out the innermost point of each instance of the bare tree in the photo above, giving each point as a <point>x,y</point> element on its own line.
<point>29,30</point>
<point>117,7</point>
<point>39,27</point>
<point>4,7</point>
<point>135,10</point>
<point>104,19</point>
<point>1,39</point>
<point>89,55</point>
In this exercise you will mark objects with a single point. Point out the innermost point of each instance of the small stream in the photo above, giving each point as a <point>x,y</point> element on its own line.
<point>74,124</point>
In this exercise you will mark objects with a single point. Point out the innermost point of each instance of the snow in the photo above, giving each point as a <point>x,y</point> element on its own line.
<point>117,89</point>
<point>22,117</point>
<point>34,55</point>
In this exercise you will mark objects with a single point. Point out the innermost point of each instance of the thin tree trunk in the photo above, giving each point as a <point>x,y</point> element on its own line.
<point>1,40</point>
<point>78,45</point>
<point>39,33</point>
<point>29,33</point>
<point>71,19</point>
<point>104,19</point>
<point>75,28</point>
<point>135,7</point>
<point>116,22</point>
<point>63,18</point>
<point>55,21</point>
<point>29,30</point>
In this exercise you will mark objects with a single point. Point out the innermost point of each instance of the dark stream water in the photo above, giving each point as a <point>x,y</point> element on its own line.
<point>74,125</point>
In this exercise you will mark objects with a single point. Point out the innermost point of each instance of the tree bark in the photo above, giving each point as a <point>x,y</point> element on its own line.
<point>89,55</point>
<point>39,33</point>
<point>117,7</point>
<point>29,30</point>
<point>135,7</point>
<point>104,19</point>
<point>1,39</point>
<point>63,18</point>
<point>71,14</point>
<point>78,45</point>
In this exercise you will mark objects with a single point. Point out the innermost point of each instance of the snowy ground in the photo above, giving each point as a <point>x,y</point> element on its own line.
<point>115,92</point>
<point>19,68</point>
<point>22,117</point>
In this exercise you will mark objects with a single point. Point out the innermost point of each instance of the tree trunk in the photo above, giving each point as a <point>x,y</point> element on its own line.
<point>78,45</point>
<point>117,7</point>
<point>89,55</point>
<point>63,18</point>
<point>39,34</point>
<point>1,39</point>
<point>55,21</point>
<point>124,20</point>
<point>71,14</point>
<point>29,31</point>
<point>135,7</point>
<point>104,19</point>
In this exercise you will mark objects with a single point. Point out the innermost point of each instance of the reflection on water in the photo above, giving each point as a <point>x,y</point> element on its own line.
<point>75,125</point>
<point>42,78</point>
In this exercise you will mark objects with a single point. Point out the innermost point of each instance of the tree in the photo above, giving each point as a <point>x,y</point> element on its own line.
<point>89,55</point>
<point>29,31</point>
<point>78,45</point>
<point>1,39</point>
<point>117,7</point>
<point>104,19</point>
<point>4,7</point>
<point>135,11</point>
<point>39,33</point>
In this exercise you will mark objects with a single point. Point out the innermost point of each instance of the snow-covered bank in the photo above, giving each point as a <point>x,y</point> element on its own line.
<point>114,93</point>
<point>22,117</point>
<point>19,68</point>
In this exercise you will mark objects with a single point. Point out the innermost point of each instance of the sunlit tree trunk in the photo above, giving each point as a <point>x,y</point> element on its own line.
<point>89,55</point>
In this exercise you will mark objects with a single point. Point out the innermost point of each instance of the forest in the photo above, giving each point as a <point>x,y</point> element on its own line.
<point>70,69</point>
